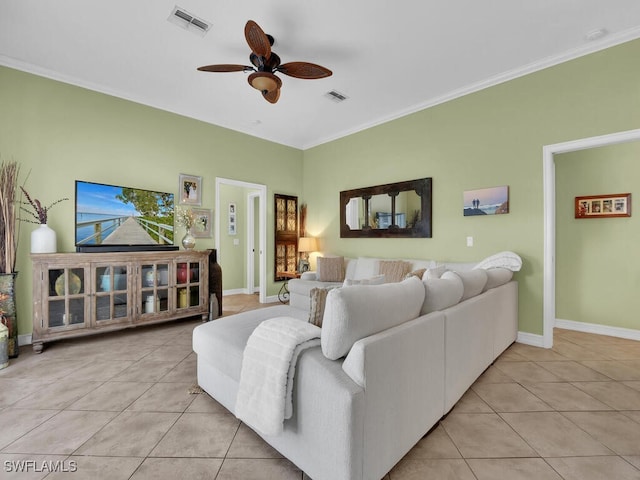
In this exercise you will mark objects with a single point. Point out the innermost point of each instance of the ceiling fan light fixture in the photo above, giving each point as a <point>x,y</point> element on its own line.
<point>264,81</point>
<point>266,63</point>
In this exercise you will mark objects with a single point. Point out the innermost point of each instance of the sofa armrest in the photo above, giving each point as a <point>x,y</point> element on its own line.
<point>402,372</point>
<point>308,276</point>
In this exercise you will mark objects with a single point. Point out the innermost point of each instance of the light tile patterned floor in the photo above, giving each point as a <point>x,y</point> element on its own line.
<point>117,406</point>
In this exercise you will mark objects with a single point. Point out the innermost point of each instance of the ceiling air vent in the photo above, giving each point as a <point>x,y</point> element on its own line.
<point>179,16</point>
<point>336,96</point>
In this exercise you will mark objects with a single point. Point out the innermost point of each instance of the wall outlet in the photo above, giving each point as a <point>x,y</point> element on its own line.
<point>236,241</point>
<point>469,241</point>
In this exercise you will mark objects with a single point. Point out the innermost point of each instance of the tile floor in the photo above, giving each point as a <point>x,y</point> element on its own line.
<point>117,406</point>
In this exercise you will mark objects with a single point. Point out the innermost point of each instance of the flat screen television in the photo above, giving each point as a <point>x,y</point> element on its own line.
<point>116,218</point>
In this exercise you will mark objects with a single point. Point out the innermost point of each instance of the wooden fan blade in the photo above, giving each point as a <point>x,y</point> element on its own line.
<point>304,70</point>
<point>225,67</point>
<point>272,97</point>
<point>257,39</point>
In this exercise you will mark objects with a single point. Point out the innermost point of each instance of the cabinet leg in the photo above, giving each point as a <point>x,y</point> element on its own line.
<point>37,347</point>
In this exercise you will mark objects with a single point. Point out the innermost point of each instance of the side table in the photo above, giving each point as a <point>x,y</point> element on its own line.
<point>283,294</point>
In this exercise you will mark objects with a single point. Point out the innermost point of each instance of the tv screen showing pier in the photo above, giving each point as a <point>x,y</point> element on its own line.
<point>110,216</point>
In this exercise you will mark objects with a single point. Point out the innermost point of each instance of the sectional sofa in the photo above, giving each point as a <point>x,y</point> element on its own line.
<point>393,359</point>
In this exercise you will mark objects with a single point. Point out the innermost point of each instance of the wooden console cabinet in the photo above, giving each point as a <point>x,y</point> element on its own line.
<point>77,294</point>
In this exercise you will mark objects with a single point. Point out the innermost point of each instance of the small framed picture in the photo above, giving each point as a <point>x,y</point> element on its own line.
<point>203,223</point>
<point>190,190</point>
<point>232,219</point>
<point>486,201</point>
<point>603,206</point>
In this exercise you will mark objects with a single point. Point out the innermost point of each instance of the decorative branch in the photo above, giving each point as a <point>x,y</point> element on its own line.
<point>8,233</point>
<point>39,213</point>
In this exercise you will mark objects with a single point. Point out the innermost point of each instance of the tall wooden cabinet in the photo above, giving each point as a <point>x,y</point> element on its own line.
<point>76,294</point>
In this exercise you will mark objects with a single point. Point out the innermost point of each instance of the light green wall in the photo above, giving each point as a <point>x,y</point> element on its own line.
<point>489,138</point>
<point>61,133</point>
<point>597,259</point>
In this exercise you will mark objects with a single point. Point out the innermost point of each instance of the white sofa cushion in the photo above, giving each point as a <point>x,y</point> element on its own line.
<point>352,313</point>
<point>435,272</point>
<point>496,277</point>
<point>509,260</point>
<point>365,268</point>
<point>221,342</point>
<point>473,282</point>
<point>441,293</point>
<point>376,280</point>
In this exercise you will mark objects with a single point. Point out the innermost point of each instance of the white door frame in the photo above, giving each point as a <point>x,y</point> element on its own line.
<point>549,188</point>
<point>251,247</point>
<point>262,219</point>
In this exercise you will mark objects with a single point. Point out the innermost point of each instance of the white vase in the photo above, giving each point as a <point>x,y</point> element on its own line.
<point>43,240</point>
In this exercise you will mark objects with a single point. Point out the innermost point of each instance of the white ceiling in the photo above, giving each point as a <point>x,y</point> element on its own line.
<point>389,58</point>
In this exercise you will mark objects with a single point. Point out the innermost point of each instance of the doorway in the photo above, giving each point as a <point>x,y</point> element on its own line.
<point>259,212</point>
<point>549,191</point>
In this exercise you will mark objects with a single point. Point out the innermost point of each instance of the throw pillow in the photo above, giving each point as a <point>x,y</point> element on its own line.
<point>365,267</point>
<point>417,273</point>
<point>473,281</point>
<point>330,269</point>
<point>435,272</point>
<point>441,293</point>
<point>318,298</point>
<point>394,270</point>
<point>362,310</point>
<point>377,280</point>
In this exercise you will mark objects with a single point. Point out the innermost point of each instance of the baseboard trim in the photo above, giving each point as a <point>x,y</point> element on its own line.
<point>598,329</point>
<point>272,299</point>
<point>25,339</point>
<point>530,339</point>
<point>236,291</point>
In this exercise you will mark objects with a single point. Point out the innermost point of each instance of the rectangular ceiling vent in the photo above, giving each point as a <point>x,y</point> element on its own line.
<point>179,16</point>
<point>336,96</point>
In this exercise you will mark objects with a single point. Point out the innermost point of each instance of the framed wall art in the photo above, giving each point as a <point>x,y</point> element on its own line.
<point>232,219</point>
<point>203,223</point>
<point>603,206</point>
<point>486,201</point>
<point>190,190</point>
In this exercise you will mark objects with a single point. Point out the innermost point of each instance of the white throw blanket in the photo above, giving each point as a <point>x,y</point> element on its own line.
<point>264,398</point>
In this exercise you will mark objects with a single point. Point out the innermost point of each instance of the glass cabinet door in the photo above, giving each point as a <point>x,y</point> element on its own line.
<point>66,298</point>
<point>187,285</point>
<point>154,279</point>
<point>111,299</point>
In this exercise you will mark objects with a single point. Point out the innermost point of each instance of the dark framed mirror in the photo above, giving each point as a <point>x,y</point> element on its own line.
<point>401,209</point>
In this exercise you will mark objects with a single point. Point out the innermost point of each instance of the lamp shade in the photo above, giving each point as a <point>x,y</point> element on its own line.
<point>264,81</point>
<point>307,244</point>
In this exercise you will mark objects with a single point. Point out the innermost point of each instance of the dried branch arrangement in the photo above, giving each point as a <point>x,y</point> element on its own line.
<point>8,226</point>
<point>38,212</point>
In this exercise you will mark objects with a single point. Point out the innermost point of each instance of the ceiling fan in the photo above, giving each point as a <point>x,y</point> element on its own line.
<point>266,63</point>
